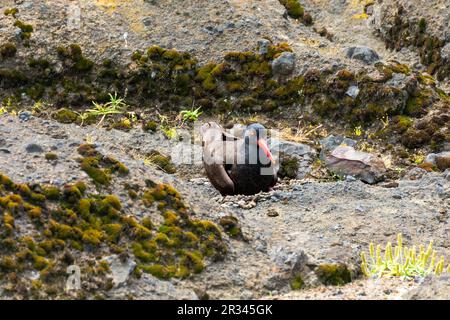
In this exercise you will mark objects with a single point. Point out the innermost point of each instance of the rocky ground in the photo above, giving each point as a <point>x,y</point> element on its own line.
<point>347,73</point>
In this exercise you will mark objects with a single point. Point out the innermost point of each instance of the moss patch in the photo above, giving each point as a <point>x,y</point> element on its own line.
<point>69,222</point>
<point>333,274</point>
<point>99,167</point>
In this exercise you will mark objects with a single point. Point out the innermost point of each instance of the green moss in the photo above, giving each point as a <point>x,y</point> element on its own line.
<point>416,106</point>
<point>147,222</point>
<point>162,162</point>
<point>92,237</point>
<point>333,274</point>
<point>422,25</point>
<point>74,54</point>
<point>123,124</point>
<point>35,213</point>
<point>8,264</point>
<point>159,271</point>
<point>231,226</point>
<point>192,261</point>
<point>92,167</point>
<point>294,8</point>
<point>65,116</point>
<point>72,193</point>
<point>209,84</point>
<point>235,86</point>
<point>11,11</point>
<point>150,126</point>
<point>414,138</point>
<point>136,55</point>
<point>307,19</point>
<point>297,283</point>
<point>63,231</point>
<point>399,68</point>
<point>401,123</point>
<point>155,52</point>
<point>8,50</point>
<point>51,156</point>
<point>288,167</point>
<point>26,29</point>
<point>40,263</point>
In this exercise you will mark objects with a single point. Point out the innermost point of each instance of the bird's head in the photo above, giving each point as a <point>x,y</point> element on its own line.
<point>255,133</point>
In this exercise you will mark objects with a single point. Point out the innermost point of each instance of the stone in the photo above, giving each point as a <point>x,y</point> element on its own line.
<point>284,65</point>
<point>431,288</point>
<point>272,212</point>
<point>345,161</point>
<point>352,91</point>
<point>237,130</point>
<point>415,174</point>
<point>283,150</point>
<point>440,160</point>
<point>263,46</point>
<point>445,51</point>
<point>363,53</point>
<point>120,270</point>
<point>331,142</point>
<point>34,148</point>
<point>25,115</point>
<point>290,148</point>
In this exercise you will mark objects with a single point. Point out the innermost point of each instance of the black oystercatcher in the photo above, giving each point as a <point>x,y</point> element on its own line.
<point>238,165</point>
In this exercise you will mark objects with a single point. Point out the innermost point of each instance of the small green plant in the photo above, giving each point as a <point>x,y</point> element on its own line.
<point>169,131</point>
<point>190,115</point>
<point>402,261</point>
<point>385,121</point>
<point>114,106</point>
<point>358,131</point>
<point>418,158</point>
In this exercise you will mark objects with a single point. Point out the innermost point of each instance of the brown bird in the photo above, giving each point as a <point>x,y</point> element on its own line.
<point>238,165</point>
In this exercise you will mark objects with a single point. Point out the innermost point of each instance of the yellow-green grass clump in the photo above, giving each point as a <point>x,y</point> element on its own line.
<point>400,261</point>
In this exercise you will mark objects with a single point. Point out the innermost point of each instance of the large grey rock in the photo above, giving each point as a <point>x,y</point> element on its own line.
<point>445,51</point>
<point>290,148</point>
<point>440,160</point>
<point>331,142</point>
<point>263,46</point>
<point>363,53</point>
<point>346,161</point>
<point>120,270</point>
<point>352,91</point>
<point>149,287</point>
<point>285,150</point>
<point>284,65</point>
<point>432,288</point>
<point>290,262</point>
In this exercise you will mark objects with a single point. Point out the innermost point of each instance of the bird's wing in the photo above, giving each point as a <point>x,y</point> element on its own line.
<point>216,156</point>
<point>212,131</point>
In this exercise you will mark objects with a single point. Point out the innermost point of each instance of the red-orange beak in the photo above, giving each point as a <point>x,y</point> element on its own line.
<point>263,145</point>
